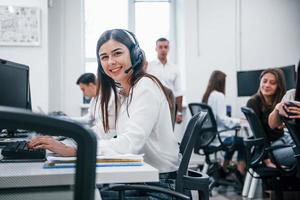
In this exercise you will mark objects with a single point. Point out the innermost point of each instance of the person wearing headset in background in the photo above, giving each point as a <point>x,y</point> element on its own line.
<point>271,90</point>
<point>167,73</point>
<point>214,96</point>
<point>143,119</point>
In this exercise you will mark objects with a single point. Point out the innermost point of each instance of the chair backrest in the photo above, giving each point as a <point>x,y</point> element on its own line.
<point>193,130</point>
<point>259,132</point>
<point>209,129</point>
<point>13,118</point>
<point>291,126</point>
<point>255,124</point>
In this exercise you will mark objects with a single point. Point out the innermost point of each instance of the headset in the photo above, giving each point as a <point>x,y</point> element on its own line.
<point>136,53</point>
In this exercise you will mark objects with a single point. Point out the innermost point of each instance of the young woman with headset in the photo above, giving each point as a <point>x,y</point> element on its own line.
<point>143,122</point>
<point>143,119</point>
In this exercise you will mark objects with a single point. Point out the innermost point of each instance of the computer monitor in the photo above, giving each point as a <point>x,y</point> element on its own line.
<point>290,76</point>
<point>248,81</point>
<point>14,87</point>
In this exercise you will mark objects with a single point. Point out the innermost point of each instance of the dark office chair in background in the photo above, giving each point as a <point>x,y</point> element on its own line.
<point>259,148</point>
<point>12,118</point>
<point>208,145</point>
<point>291,126</point>
<point>186,180</point>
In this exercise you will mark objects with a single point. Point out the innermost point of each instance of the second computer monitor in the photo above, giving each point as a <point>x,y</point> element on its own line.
<point>248,81</point>
<point>14,87</point>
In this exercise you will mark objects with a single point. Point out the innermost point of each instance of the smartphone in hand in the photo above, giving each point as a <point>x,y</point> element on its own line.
<point>292,104</point>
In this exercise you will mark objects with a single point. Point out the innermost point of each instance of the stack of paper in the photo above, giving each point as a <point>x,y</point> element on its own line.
<point>102,161</point>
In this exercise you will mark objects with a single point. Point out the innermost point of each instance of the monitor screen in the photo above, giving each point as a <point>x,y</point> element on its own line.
<point>248,81</point>
<point>14,87</point>
<point>290,76</point>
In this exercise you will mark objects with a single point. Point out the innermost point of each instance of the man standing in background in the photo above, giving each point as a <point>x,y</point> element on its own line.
<point>167,73</point>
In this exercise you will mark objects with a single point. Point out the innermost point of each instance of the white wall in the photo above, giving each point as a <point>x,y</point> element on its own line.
<point>270,35</point>
<point>66,55</point>
<point>235,35</point>
<point>34,56</point>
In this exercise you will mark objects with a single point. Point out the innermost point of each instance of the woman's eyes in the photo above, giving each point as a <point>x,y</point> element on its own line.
<point>104,58</point>
<point>271,82</point>
<point>114,54</point>
<point>117,53</point>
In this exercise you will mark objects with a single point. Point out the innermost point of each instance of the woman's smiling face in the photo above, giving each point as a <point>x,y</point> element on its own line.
<point>115,59</point>
<point>268,85</point>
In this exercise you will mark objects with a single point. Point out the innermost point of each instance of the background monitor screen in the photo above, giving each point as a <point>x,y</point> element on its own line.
<point>290,76</point>
<point>14,87</point>
<point>248,81</point>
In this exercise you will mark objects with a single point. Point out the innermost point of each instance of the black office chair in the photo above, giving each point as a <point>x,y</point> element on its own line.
<point>259,148</point>
<point>13,118</point>
<point>186,180</point>
<point>291,126</point>
<point>207,144</point>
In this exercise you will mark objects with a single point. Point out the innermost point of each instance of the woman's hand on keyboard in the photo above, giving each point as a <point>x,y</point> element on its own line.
<point>49,143</point>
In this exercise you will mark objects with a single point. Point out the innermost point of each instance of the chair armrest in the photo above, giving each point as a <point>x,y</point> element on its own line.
<point>235,128</point>
<point>148,188</point>
<point>256,157</point>
<point>226,147</point>
<point>197,174</point>
<point>279,146</point>
<point>250,142</point>
<point>196,181</point>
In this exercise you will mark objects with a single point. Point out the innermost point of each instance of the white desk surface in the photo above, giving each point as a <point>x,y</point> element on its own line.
<point>20,175</point>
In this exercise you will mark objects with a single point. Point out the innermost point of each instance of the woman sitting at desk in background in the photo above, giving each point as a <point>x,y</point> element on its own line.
<point>270,92</point>
<point>214,96</point>
<point>143,120</point>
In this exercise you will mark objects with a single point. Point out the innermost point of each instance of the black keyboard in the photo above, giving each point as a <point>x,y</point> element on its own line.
<point>19,150</point>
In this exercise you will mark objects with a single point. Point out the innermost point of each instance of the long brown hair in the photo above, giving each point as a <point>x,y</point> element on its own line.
<point>216,82</point>
<point>280,90</point>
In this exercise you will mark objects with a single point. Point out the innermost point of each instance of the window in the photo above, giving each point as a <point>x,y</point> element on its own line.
<point>98,18</point>
<point>147,28</point>
<point>135,15</point>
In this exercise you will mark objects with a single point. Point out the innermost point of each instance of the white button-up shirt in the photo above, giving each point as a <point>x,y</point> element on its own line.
<point>216,101</point>
<point>144,127</point>
<point>168,74</point>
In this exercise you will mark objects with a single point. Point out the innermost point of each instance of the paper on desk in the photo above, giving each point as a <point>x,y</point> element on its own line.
<point>102,161</point>
<point>112,158</point>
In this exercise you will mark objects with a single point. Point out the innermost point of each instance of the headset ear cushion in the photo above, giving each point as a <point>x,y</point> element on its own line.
<point>136,55</point>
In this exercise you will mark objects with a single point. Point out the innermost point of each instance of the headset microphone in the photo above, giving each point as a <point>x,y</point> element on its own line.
<point>132,66</point>
<point>128,70</point>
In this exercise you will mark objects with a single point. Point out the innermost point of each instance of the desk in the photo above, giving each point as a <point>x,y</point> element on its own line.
<point>32,179</point>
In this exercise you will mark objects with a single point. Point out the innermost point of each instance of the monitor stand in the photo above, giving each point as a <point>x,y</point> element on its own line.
<point>8,133</point>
